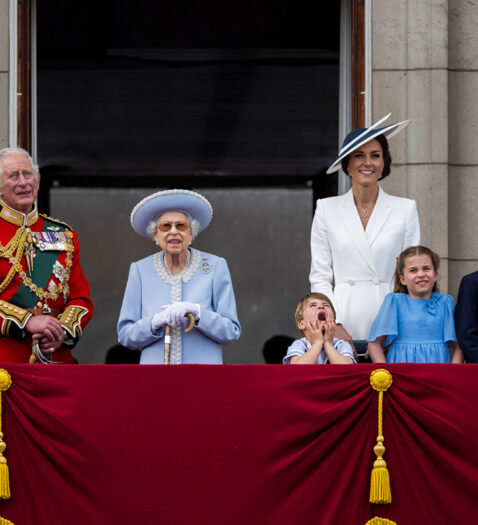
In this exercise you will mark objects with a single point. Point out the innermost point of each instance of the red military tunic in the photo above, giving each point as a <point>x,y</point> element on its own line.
<point>40,272</point>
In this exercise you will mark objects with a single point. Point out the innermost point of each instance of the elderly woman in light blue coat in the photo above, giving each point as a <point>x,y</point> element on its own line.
<point>177,280</point>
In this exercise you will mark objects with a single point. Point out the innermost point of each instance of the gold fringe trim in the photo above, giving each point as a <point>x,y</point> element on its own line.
<point>380,492</point>
<point>5,382</point>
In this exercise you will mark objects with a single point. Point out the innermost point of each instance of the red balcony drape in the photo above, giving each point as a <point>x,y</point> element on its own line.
<point>238,444</point>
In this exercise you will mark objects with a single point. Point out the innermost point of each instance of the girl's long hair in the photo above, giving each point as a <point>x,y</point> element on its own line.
<point>398,287</point>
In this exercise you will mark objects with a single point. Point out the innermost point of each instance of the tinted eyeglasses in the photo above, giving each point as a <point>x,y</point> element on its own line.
<point>180,226</point>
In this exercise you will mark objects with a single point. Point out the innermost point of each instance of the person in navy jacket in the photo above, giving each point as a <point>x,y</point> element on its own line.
<point>466,316</point>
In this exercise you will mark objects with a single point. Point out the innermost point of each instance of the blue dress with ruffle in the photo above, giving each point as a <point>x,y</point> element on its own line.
<point>417,330</point>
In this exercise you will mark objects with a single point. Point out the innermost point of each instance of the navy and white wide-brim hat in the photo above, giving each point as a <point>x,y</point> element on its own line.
<point>358,137</point>
<point>184,201</point>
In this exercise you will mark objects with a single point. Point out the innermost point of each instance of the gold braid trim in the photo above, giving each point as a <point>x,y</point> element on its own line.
<point>55,220</point>
<point>7,251</point>
<point>55,290</point>
<point>17,243</point>
<point>380,380</point>
<point>5,383</point>
<point>70,319</point>
<point>13,313</point>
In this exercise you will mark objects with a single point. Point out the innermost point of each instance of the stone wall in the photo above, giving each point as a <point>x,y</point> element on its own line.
<point>410,79</point>
<point>463,139</point>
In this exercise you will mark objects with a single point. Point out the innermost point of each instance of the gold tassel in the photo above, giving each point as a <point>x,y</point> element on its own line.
<point>374,521</point>
<point>5,382</point>
<point>380,492</point>
<point>4,521</point>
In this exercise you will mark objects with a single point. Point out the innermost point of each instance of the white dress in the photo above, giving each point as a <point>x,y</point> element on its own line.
<point>354,267</point>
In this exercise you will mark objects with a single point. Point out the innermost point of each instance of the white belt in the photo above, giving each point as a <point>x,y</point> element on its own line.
<point>351,282</point>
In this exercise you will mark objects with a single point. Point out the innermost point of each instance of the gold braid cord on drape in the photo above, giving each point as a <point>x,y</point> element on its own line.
<point>5,382</point>
<point>381,381</point>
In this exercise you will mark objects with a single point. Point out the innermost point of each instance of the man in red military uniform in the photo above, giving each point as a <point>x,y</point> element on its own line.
<point>44,296</point>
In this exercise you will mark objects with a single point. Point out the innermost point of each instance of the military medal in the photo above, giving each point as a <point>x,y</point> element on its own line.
<point>46,241</point>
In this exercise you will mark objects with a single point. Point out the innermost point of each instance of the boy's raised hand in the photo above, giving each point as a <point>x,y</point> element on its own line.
<point>329,331</point>
<point>315,331</point>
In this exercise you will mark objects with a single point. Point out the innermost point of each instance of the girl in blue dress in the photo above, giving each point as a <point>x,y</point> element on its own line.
<point>416,321</point>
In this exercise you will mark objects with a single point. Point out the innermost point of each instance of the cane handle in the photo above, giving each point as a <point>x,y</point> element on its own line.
<point>190,316</point>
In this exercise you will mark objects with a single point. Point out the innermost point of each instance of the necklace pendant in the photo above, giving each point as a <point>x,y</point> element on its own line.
<point>364,214</point>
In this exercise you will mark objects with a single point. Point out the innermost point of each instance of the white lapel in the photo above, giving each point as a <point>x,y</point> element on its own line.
<point>353,224</point>
<point>379,216</point>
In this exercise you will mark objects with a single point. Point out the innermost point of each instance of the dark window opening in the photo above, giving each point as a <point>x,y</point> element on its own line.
<point>211,92</point>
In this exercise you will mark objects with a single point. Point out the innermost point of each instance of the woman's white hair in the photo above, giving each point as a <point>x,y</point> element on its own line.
<point>193,223</point>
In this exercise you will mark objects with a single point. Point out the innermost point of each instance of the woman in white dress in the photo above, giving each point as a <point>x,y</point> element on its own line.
<point>357,236</point>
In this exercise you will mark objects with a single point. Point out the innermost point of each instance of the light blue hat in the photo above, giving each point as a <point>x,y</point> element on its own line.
<point>360,136</point>
<point>185,201</point>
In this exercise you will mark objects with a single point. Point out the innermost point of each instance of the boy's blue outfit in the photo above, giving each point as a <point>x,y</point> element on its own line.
<point>301,346</point>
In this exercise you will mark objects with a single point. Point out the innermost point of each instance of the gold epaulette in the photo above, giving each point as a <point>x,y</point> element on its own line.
<point>56,220</point>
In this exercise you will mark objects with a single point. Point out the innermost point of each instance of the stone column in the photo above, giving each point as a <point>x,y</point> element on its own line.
<point>463,139</point>
<point>4,79</point>
<point>410,79</point>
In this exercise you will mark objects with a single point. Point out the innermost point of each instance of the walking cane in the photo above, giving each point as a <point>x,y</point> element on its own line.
<point>167,337</point>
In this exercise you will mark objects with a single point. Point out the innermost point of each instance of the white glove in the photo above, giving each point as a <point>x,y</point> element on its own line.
<point>180,309</point>
<point>161,318</point>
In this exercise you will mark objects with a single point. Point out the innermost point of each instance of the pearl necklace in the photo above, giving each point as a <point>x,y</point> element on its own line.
<point>186,264</point>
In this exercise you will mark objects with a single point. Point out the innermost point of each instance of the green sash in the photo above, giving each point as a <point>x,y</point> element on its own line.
<point>42,270</point>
